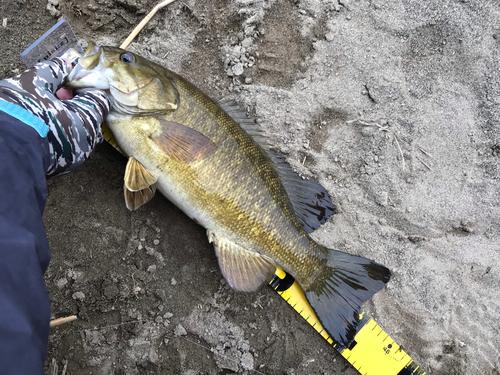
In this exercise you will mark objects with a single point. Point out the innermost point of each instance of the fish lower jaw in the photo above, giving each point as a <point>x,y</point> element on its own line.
<point>117,116</point>
<point>82,78</point>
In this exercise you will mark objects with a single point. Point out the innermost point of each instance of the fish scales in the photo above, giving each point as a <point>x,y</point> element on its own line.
<point>256,210</point>
<point>263,218</point>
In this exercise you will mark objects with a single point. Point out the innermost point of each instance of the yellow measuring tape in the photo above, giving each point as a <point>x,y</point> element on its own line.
<point>108,137</point>
<point>373,352</point>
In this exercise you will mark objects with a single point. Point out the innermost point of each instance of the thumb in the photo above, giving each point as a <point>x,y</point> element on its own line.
<point>64,93</point>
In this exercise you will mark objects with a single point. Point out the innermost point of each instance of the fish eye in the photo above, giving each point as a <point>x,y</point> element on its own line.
<point>127,58</point>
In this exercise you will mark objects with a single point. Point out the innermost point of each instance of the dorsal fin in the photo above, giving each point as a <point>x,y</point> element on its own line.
<point>247,123</point>
<point>310,200</point>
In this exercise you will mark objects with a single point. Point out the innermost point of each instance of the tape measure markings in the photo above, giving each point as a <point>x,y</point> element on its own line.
<point>373,351</point>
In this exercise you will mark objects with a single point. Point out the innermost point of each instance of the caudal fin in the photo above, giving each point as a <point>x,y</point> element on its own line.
<point>338,292</point>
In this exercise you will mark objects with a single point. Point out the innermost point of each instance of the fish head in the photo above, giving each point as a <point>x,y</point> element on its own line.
<point>135,85</point>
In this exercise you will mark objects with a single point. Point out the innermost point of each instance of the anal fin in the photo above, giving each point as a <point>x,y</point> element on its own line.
<point>244,270</point>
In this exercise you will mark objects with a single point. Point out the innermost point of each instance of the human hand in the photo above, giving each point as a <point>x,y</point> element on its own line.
<point>72,127</point>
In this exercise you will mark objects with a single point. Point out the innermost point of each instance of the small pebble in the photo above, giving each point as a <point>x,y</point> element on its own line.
<point>247,42</point>
<point>180,331</point>
<point>61,282</point>
<point>173,281</point>
<point>78,295</point>
<point>367,131</point>
<point>247,361</point>
<point>383,198</point>
<point>237,69</point>
<point>152,268</point>
<point>156,242</point>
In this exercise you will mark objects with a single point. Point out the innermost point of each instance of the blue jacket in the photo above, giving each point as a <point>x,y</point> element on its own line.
<point>24,249</point>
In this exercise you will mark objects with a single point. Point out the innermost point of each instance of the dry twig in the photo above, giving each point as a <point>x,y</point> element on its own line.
<point>59,321</point>
<point>55,368</point>
<point>420,160</point>
<point>424,152</point>
<point>65,367</point>
<point>143,23</point>
<point>385,129</point>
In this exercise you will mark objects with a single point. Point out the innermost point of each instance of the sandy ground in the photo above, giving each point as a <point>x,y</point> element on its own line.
<point>393,106</point>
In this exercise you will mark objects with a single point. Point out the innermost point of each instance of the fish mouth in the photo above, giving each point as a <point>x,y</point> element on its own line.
<point>91,72</point>
<point>88,71</point>
<point>95,69</point>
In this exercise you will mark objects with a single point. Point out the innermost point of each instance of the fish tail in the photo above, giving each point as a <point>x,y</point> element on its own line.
<point>338,291</point>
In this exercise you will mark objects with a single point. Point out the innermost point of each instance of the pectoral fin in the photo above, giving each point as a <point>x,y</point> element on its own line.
<point>137,177</point>
<point>136,199</point>
<point>244,270</point>
<point>183,143</point>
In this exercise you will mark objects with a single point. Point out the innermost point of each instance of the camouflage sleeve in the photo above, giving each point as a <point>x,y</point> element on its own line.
<point>74,125</point>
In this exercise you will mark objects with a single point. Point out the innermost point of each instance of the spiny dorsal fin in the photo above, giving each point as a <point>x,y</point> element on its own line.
<point>244,270</point>
<point>310,200</point>
<point>136,176</point>
<point>247,123</point>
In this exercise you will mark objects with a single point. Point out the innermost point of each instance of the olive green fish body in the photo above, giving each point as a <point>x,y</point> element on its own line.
<point>235,192</point>
<point>212,162</point>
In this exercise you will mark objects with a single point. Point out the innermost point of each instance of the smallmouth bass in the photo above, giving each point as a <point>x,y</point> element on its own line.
<point>214,163</point>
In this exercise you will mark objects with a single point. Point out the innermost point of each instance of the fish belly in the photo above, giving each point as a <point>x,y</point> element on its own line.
<point>135,144</point>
